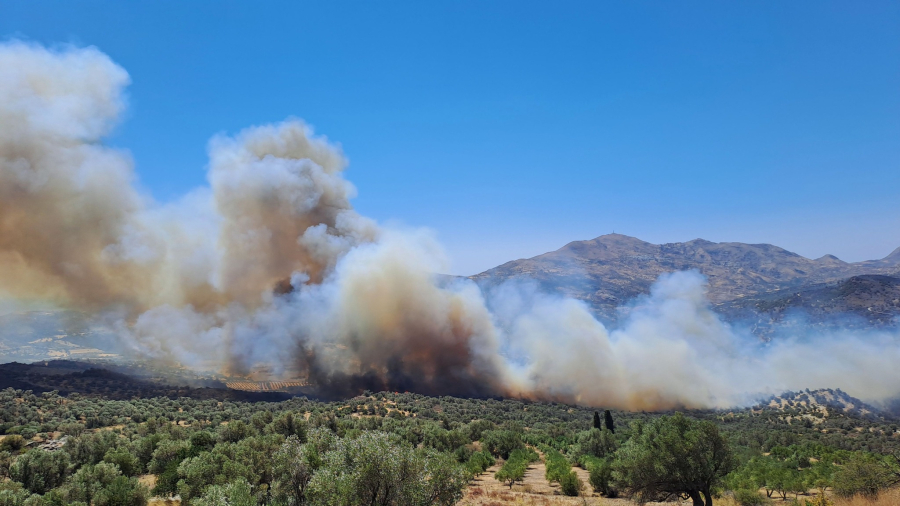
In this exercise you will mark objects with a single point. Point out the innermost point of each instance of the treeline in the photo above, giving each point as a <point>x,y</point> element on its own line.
<point>406,449</point>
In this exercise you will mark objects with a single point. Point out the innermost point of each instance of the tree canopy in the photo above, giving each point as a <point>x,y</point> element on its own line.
<point>674,455</point>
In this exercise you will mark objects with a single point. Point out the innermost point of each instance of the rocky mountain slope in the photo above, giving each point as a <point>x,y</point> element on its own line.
<point>823,402</point>
<point>610,270</point>
<point>867,301</point>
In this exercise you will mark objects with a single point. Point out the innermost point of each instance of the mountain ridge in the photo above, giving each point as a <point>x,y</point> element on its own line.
<point>608,271</point>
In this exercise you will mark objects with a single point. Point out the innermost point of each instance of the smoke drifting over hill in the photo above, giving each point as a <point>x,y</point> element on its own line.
<point>193,281</point>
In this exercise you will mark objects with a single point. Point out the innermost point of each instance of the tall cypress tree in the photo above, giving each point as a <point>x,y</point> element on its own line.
<point>597,420</point>
<point>607,420</point>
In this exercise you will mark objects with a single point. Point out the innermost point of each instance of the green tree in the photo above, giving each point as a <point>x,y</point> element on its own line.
<point>122,491</point>
<point>123,459</point>
<point>40,471</point>
<point>501,442</point>
<point>234,431</point>
<point>511,471</point>
<point>378,469</point>
<point>597,424</point>
<point>90,448</point>
<point>295,463</point>
<point>166,458</point>
<point>289,424</point>
<point>674,455</point>
<point>89,480</point>
<point>597,443</point>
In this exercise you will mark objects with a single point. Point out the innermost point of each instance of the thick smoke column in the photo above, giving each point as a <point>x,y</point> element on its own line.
<point>270,265</point>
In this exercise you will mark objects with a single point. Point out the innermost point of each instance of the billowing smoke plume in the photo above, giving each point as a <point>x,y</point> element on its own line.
<point>270,265</point>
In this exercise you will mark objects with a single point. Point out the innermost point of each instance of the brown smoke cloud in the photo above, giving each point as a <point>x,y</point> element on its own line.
<point>191,281</point>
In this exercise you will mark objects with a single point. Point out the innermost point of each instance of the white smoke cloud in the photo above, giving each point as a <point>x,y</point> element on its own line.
<point>271,266</point>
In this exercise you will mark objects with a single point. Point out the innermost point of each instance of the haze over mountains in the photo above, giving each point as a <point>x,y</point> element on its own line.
<point>761,285</point>
<point>746,281</point>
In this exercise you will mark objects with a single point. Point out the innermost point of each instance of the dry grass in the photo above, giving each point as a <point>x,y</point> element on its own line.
<point>159,501</point>
<point>534,490</point>
<point>886,498</point>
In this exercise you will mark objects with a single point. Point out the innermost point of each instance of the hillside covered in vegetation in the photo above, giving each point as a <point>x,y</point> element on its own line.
<point>405,449</point>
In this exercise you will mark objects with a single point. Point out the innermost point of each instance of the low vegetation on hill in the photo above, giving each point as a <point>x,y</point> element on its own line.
<point>746,281</point>
<point>407,449</point>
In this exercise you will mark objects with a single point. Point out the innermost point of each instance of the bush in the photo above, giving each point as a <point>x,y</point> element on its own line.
<point>12,443</point>
<point>236,493</point>
<point>123,491</point>
<point>819,500</point>
<point>570,484</point>
<point>557,466</point>
<point>862,474</point>
<point>597,443</point>
<point>601,477</point>
<point>479,462</point>
<point>377,468</point>
<point>749,498</point>
<point>234,431</point>
<point>127,463</point>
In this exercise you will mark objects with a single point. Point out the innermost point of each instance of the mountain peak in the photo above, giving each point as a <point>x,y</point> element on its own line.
<point>609,270</point>
<point>894,257</point>
<point>830,259</point>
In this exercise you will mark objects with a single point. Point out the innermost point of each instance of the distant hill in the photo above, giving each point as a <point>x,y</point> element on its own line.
<point>610,270</point>
<point>27,336</point>
<point>116,382</point>
<point>825,401</point>
<point>869,300</point>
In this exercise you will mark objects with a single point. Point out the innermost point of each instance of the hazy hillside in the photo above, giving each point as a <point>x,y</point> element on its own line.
<point>46,335</point>
<point>612,269</point>
<point>761,285</point>
<point>823,401</point>
<point>860,301</point>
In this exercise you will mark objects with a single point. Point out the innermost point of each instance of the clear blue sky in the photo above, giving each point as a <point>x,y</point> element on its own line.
<point>512,128</point>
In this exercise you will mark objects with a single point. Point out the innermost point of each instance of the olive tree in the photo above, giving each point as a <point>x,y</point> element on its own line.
<point>674,455</point>
<point>39,471</point>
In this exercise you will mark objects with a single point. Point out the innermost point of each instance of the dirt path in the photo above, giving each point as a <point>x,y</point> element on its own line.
<point>534,490</point>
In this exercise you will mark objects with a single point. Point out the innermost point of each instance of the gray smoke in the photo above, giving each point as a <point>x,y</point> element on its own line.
<point>269,268</point>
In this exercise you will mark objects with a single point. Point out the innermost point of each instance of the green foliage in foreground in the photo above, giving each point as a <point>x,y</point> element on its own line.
<point>300,451</point>
<point>674,455</point>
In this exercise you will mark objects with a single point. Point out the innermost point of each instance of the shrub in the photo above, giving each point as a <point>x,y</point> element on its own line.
<point>12,443</point>
<point>557,466</point>
<point>570,484</point>
<point>479,462</point>
<point>601,477</point>
<point>236,493</point>
<point>862,475</point>
<point>749,498</point>
<point>128,464</point>
<point>377,468</point>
